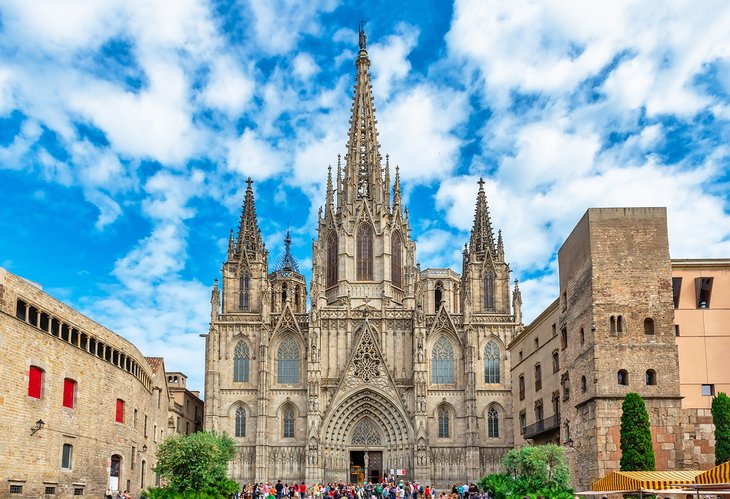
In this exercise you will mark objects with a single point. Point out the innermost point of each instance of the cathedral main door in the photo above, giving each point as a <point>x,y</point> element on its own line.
<point>366,465</point>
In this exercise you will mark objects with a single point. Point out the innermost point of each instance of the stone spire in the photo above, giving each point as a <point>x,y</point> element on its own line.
<point>482,235</point>
<point>249,234</point>
<point>330,193</point>
<point>363,175</point>
<point>339,182</point>
<point>517,302</point>
<point>500,246</point>
<point>215,302</point>
<point>287,262</point>
<point>396,189</point>
<point>231,246</point>
<point>386,189</point>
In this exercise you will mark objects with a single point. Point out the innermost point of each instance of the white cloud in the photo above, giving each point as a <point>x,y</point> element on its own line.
<point>417,129</point>
<point>252,155</point>
<point>304,66</point>
<point>391,57</point>
<point>228,89</point>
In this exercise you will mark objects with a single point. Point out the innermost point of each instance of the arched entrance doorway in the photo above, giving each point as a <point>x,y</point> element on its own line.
<point>364,436</point>
<point>115,472</point>
<point>366,452</point>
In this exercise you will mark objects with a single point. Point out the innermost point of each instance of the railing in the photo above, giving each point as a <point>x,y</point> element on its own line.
<point>543,426</point>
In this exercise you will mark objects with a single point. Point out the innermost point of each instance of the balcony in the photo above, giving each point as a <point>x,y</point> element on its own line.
<point>543,426</point>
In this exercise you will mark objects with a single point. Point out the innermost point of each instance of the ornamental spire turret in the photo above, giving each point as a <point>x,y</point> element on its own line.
<point>363,174</point>
<point>231,250</point>
<point>386,190</point>
<point>517,302</point>
<point>249,234</point>
<point>396,189</point>
<point>482,235</point>
<point>500,246</point>
<point>330,193</point>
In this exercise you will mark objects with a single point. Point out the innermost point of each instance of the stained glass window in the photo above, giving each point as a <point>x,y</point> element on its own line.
<point>443,422</point>
<point>240,363</point>
<point>365,253</point>
<point>442,362</point>
<point>491,363</point>
<point>288,363</point>
<point>395,259</point>
<point>240,422</point>
<point>489,290</point>
<point>493,423</point>
<point>288,423</point>
<point>243,288</point>
<point>332,259</point>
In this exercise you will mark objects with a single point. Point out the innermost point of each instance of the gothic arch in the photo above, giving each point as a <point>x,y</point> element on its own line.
<point>501,420</point>
<point>250,419</point>
<point>457,350</point>
<point>364,252</point>
<point>280,339</point>
<point>284,412</point>
<point>366,403</point>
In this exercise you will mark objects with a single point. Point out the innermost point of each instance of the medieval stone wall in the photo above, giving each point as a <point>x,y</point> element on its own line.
<point>29,337</point>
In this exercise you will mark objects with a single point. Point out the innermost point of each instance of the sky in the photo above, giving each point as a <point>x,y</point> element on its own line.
<point>128,128</point>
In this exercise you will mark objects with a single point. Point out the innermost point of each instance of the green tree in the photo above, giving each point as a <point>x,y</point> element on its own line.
<point>637,453</point>
<point>721,418</point>
<point>195,465</point>
<point>544,465</point>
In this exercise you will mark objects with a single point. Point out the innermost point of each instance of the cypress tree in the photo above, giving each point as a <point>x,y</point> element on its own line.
<point>637,453</point>
<point>721,418</point>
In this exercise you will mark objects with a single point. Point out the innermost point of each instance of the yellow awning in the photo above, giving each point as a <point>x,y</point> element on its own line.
<point>718,474</point>
<point>636,480</point>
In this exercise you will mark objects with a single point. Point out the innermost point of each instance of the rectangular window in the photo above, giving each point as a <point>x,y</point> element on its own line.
<point>16,489</point>
<point>69,393</point>
<point>145,425</point>
<point>523,422</point>
<point>703,286</point>
<point>154,433</point>
<point>537,343</point>
<point>564,337</point>
<point>67,456</point>
<point>50,490</point>
<point>676,288</point>
<point>676,330</point>
<point>78,491</point>
<point>131,457</point>
<point>708,390</point>
<point>35,382</point>
<point>119,417</point>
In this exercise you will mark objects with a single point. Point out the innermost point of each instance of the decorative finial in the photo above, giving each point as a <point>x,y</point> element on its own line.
<point>363,37</point>
<point>249,182</point>
<point>481,184</point>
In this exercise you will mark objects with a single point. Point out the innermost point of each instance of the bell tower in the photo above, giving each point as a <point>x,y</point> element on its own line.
<point>245,269</point>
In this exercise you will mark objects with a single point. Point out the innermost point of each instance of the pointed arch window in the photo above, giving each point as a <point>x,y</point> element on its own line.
<point>442,362</point>
<point>288,423</point>
<point>240,363</point>
<point>493,423</point>
<point>443,422</point>
<point>491,363</point>
<point>244,284</point>
<point>287,363</point>
<point>365,253</point>
<point>332,259</point>
<point>395,259</point>
<point>240,422</point>
<point>489,290</point>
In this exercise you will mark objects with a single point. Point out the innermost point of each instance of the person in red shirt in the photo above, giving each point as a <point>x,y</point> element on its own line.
<point>303,491</point>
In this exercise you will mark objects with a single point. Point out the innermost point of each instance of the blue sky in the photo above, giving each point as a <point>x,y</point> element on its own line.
<point>127,129</point>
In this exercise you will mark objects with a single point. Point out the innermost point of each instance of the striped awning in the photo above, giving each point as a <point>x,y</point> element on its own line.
<point>638,480</point>
<point>718,474</point>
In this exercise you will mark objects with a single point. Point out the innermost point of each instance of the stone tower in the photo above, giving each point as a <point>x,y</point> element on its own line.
<point>393,367</point>
<point>616,329</point>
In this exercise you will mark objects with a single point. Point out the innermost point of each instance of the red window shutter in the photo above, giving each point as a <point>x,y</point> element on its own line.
<point>69,386</point>
<point>120,411</point>
<point>35,380</point>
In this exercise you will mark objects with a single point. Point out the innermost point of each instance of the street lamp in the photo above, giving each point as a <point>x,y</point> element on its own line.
<point>38,427</point>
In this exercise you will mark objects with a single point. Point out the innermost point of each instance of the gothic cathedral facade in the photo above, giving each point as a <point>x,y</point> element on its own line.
<point>390,367</point>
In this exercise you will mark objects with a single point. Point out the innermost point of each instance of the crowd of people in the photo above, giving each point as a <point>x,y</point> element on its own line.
<point>383,490</point>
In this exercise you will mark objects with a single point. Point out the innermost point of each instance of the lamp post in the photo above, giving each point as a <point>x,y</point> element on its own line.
<point>38,427</point>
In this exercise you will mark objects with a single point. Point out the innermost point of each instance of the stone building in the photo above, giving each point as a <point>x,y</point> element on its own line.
<point>82,409</point>
<point>627,319</point>
<point>186,408</point>
<point>390,367</point>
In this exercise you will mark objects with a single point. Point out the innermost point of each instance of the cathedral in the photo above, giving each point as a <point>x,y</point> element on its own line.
<point>380,367</point>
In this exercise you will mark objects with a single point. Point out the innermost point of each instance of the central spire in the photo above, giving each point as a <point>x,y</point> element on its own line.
<point>363,173</point>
